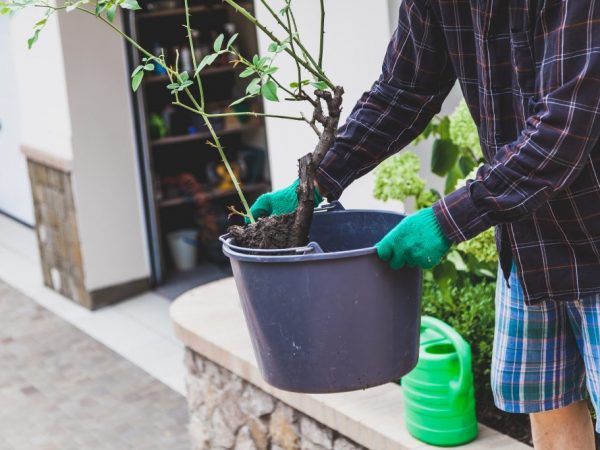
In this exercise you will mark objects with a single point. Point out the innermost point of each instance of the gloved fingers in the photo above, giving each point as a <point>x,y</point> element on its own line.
<point>261,207</point>
<point>384,251</point>
<point>398,259</point>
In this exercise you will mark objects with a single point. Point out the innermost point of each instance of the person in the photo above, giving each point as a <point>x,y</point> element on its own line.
<point>529,71</point>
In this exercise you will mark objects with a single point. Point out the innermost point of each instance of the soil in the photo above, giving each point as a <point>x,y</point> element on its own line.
<point>267,233</point>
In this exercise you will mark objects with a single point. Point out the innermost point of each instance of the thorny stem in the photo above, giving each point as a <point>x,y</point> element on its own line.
<point>192,51</point>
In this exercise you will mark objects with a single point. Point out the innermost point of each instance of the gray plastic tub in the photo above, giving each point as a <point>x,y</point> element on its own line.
<point>330,317</point>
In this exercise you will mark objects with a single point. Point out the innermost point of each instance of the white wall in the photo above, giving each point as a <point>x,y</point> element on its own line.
<point>15,191</point>
<point>41,86</point>
<point>106,178</point>
<point>356,36</point>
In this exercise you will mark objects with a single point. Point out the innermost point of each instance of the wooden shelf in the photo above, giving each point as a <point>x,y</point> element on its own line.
<point>181,11</point>
<point>211,195</point>
<point>205,72</point>
<point>252,124</point>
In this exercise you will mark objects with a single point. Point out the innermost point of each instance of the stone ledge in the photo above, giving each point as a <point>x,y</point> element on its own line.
<point>209,321</point>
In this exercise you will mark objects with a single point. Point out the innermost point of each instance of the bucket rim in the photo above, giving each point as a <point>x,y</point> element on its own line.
<point>311,252</point>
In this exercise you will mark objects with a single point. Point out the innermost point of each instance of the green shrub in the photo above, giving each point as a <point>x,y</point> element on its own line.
<point>469,309</point>
<point>460,291</point>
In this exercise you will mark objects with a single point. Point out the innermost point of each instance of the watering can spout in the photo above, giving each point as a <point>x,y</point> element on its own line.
<point>439,394</point>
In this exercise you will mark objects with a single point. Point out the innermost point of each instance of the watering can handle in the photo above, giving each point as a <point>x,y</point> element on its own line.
<point>459,387</point>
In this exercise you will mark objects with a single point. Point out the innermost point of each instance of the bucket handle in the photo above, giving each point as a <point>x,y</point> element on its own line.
<point>460,386</point>
<point>312,247</point>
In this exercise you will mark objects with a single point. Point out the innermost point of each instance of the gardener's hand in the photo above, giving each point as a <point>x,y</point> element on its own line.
<point>279,202</point>
<point>418,240</point>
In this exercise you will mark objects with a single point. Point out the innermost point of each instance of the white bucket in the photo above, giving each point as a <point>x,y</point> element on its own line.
<point>183,245</point>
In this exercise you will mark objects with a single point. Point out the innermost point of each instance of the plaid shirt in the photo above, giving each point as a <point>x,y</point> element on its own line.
<point>530,73</point>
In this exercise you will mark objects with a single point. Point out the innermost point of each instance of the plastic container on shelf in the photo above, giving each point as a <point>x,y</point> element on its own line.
<point>184,248</point>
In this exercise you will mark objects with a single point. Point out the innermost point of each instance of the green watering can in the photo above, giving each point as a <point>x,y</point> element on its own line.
<point>439,397</point>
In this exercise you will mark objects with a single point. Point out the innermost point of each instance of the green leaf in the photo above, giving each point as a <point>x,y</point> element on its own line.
<point>231,40</point>
<point>149,67</point>
<point>184,76</point>
<point>219,42</point>
<point>466,165</point>
<point>255,60</point>
<point>270,70</point>
<point>248,72</point>
<point>451,179</point>
<point>273,47</point>
<point>443,128</point>
<point>294,84</point>
<point>100,7</point>
<point>172,86</point>
<point>136,71</point>
<point>206,61</point>
<point>446,271</point>
<point>269,91</point>
<point>136,80</point>
<point>33,39</point>
<point>110,12</point>
<point>241,100</point>
<point>445,155</point>
<point>455,258</point>
<point>262,62</point>
<point>254,87</point>
<point>184,85</point>
<point>130,4</point>
<point>321,85</point>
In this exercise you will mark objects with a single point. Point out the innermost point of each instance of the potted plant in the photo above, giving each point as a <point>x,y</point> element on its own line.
<point>324,316</point>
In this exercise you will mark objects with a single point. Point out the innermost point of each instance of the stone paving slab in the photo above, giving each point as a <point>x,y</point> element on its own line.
<point>61,389</point>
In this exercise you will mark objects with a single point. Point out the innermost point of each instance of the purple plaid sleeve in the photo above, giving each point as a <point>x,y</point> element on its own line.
<point>416,78</point>
<point>560,131</point>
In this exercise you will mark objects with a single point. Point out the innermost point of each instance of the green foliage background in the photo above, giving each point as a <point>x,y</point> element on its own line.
<point>460,291</point>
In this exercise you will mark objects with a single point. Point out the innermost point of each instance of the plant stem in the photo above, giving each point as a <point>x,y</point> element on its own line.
<point>236,114</point>
<point>193,52</point>
<point>321,45</point>
<point>317,73</point>
<point>217,142</point>
<point>298,68</point>
<point>236,183</point>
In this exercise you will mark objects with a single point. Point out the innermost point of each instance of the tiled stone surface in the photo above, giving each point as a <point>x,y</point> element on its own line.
<point>227,412</point>
<point>60,389</point>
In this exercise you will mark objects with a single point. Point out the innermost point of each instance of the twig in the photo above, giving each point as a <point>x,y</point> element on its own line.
<point>322,37</point>
<point>313,125</point>
<point>316,72</point>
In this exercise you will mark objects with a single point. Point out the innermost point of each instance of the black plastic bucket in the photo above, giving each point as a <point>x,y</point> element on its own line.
<point>330,317</point>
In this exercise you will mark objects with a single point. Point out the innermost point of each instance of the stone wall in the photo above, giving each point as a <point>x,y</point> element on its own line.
<point>57,233</point>
<point>226,412</point>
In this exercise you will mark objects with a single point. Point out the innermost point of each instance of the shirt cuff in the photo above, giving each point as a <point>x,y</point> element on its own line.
<point>459,217</point>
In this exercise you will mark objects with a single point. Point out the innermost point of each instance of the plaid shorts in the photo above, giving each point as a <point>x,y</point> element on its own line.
<point>544,355</point>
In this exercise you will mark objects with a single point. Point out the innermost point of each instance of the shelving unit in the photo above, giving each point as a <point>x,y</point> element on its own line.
<point>184,187</point>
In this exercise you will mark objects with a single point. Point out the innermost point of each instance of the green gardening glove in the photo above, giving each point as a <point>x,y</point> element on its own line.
<point>283,201</point>
<point>418,240</point>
